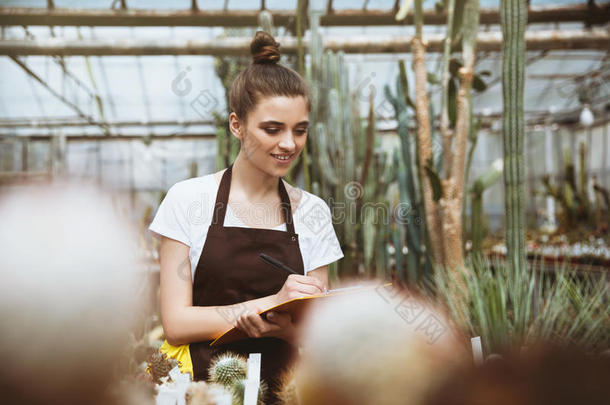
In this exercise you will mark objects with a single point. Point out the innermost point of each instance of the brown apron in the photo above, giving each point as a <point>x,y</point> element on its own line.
<point>230,271</point>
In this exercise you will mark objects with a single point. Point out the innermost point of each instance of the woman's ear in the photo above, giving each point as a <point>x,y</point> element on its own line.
<point>235,126</point>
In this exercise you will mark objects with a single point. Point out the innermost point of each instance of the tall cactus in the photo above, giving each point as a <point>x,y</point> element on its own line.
<point>445,131</point>
<point>348,170</point>
<point>453,186</point>
<point>513,16</point>
<point>424,144</point>
<point>409,194</point>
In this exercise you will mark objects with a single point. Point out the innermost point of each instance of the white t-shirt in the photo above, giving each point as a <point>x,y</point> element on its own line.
<point>186,213</point>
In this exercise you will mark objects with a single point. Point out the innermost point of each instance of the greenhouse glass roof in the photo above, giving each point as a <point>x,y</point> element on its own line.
<point>137,97</point>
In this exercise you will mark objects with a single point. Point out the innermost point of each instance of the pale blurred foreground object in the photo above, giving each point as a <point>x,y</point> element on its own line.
<point>67,294</point>
<point>376,347</point>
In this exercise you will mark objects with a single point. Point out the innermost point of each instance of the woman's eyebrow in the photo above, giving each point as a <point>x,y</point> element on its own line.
<point>271,122</point>
<point>277,123</point>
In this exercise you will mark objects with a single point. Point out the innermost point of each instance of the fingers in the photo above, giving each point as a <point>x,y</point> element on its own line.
<point>307,283</point>
<point>281,319</point>
<point>248,325</point>
<point>254,325</point>
<point>308,289</point>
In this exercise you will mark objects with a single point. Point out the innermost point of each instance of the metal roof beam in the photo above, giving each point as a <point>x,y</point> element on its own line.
<point>595,39</point>
<point>67,102</point>
<point>61,123</point>
<point>590,15</point>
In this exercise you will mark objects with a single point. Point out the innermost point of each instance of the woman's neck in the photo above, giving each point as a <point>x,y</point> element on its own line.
<point>255,184</point>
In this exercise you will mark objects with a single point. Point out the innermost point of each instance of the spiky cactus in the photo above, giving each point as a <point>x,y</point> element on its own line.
<point>287,394</point>
<point>159,365</point>
<point>238,391</point>
<point>513,16</point>
<point>228,368</point>
<point>227,69</point>
<point>407,174</point>
<point>343,150</point>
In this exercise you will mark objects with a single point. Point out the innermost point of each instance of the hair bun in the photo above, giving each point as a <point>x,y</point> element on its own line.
<point>264,49</point>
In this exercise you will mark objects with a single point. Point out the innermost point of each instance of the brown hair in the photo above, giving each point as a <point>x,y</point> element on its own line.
<point>265,78</point>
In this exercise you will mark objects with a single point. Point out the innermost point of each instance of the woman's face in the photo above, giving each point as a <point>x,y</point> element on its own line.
<point>275,133</point>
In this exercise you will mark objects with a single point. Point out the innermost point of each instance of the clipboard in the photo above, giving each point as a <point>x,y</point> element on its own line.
<point>296,307</point>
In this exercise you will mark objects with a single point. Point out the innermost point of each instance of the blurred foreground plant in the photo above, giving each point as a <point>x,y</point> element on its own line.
<point>512,309</point>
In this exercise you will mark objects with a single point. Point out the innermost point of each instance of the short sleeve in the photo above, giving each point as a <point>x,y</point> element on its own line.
<point>171,217</point>
<point>325,248</point>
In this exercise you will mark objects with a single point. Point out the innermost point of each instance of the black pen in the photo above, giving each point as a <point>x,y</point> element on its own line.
<point>276,263</point>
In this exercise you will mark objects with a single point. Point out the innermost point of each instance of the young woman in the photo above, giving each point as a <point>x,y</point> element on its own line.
<point>214,227</point>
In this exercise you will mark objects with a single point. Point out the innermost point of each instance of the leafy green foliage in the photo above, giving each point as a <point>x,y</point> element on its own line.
<point>512,309</point>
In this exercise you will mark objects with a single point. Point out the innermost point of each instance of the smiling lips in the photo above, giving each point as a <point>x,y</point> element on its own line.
<point>283,158</point>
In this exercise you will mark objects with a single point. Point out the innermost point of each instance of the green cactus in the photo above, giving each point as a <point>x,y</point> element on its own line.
<point>572,195</point>
<point>407,180</point>
<point>347,168</point>
<point>327,169</point>
<point>228,368</point>
<point>227,69</point>
<point>238,390</point>
<point>398,255</point>
<point>513,17</point>
<point>585,205</point>
<point>482,183</point>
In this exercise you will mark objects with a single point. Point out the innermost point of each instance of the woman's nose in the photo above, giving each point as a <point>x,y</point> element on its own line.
<point>287,140</point>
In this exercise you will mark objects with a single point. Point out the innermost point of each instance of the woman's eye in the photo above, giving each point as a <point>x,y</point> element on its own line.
<point>301,131</point>
<point>272,130</point>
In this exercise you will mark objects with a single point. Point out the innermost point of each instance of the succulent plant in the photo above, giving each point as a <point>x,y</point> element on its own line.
<point>228,368</point>
<point>238,390</point>
<point>513,16</point>
<point>159,365</point>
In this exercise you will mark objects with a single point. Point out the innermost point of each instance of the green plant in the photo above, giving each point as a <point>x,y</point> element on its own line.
<point>238,390</point>
<point>443,193</point>
<point>227,68</point>
<point>513,16</point>
<point>571,195</point>
<point>482,183</point>
<point>348,170</point>
<point>510,308</point>
<point>407,181</point>
<point>228,368</point>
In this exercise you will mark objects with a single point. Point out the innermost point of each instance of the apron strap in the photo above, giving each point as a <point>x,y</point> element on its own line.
<point>286,207</point>
<point>222,201</point>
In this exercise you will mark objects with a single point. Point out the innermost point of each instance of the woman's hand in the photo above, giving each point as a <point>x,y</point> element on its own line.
<point>297,286</point>
<point>277,324</point>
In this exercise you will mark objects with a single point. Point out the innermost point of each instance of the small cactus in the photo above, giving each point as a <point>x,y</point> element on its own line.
<point>159,365</point>
<point>228,368</point>
<point>288,391</point>
<point>238,390</point>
